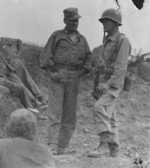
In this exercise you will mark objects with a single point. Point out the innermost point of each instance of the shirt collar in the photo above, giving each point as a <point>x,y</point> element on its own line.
<point>113,37</point>
<point>67,32</point>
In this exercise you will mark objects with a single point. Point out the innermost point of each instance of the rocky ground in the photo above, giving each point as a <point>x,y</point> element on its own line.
<point>133,116</point>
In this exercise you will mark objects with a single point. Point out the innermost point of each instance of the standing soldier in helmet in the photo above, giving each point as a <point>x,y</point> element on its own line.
<point>111,69</point>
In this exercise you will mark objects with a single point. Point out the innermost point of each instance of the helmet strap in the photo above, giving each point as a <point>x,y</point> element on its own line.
<point>104,35</point>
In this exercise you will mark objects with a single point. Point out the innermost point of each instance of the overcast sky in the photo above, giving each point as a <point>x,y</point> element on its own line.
<point>34,20</point>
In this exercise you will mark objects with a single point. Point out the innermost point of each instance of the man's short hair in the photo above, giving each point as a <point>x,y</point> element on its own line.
<point>21,123</point>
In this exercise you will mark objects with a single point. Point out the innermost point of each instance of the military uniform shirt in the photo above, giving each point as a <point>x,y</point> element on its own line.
<point>114,56</point>
<point>60,49</point>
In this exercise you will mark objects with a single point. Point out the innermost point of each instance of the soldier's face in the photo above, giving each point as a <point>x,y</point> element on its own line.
<point>10,49</point>
<point>72,25</point>
<point>109,25</point>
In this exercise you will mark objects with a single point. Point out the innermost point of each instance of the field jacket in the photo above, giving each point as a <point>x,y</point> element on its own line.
<point>60,49</point>
<point>113,60</point>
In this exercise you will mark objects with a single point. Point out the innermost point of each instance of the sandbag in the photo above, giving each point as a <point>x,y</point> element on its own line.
<point>144,71</point>
<point>127,83</point>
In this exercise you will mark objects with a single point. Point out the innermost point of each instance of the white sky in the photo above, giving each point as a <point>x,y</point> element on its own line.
<point>35,20</point>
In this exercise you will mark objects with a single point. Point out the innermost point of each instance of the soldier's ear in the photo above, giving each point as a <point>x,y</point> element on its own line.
<point>65,21</point>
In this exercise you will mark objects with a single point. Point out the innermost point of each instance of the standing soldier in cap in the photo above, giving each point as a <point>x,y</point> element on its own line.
<point>111,69</point>
<point>66,57</point>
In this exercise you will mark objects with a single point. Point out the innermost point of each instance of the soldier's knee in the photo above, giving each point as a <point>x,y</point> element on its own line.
<point>20,88</point>
<point>97,108</point>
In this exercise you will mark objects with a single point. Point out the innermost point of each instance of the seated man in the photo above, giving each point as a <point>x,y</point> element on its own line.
<point>15,76</point>
<point>20,148</point>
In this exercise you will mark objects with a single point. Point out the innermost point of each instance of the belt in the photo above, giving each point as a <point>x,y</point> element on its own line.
<point>68,67</point>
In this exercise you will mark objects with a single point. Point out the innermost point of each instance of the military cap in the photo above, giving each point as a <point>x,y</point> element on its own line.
<point>71,13</point>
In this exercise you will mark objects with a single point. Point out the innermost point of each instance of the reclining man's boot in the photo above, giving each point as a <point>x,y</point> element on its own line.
<point>53,147</point>
<point>102,148</point>
<point>59,151</point>
<point>41,103</point>
<point>113,148</point>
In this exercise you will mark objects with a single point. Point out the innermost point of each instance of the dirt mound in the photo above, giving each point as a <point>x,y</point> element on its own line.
<point>30,56</point>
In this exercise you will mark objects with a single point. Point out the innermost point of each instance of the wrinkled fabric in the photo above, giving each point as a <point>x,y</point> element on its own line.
<point>65,62</point>
<point>26,79</point>
<point>62,109</point>
<point>113,55</point>
<point>15,85</point>
<point>18,79</point>
<point>22,153</point>
<point>15,65</point>
<point>18,89</point>
<point>105,117</point>
<point>122,52</point>
<point>61,50</point>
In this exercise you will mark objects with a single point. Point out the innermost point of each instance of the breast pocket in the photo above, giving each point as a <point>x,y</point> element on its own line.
<point>62,52</point>
<point>79,53</point>
<point>110,51</point>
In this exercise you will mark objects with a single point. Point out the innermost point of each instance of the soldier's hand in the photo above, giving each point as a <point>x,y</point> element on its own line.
<point>55,76</point>
<point>97,93</point>
<point>103,87</point>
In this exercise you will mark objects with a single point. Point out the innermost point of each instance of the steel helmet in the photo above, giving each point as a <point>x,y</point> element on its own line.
<point>112,14</point>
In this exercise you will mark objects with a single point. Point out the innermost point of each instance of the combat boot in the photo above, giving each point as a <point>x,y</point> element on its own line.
<point>113,148</point>
<point>59,151</point>
<point>63,150</point>
<point>102,149</point>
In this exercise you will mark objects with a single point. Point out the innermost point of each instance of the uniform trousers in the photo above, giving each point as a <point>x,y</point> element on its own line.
<point>19,90</point>
<point>62,108</point>
<point>105,117</point>
<point>22,72</point>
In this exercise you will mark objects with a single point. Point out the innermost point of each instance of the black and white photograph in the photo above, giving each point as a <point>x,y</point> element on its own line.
<point>74,84</point>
